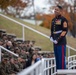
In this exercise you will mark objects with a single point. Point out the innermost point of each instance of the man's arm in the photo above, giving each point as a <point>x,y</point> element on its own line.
<point>51,36</point>
<point>64,30</point>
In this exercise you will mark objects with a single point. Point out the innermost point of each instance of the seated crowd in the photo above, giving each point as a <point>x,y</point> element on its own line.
<point>28,54</point>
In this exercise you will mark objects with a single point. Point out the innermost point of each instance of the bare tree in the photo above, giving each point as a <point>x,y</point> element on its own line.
<point>70,8</point>
<point>73,17</point>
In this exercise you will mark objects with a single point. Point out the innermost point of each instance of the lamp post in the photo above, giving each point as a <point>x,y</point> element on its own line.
<point>34,11</point>
<point>74,5</point>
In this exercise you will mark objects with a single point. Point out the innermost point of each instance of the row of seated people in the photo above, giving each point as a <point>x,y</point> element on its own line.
<point>28,54</point>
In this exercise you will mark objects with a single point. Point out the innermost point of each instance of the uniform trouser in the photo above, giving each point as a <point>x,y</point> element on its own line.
<point>60,54</point>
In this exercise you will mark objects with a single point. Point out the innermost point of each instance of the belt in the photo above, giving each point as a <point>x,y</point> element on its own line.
<point>56,32</point>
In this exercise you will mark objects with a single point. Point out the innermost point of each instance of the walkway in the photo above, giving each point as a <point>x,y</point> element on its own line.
<point>32,21</point>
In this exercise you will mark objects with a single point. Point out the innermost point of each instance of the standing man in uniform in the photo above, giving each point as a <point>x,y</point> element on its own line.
<point>59,28</point>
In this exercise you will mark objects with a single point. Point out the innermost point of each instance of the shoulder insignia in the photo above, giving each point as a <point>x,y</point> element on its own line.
<point>65,24</point>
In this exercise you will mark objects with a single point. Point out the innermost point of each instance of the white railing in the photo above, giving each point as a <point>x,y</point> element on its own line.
<point>72,62</point>
<point>1,47</point>
<point>69,49</point>
<point>71,59</point>
<point>23,25</point>
<point>49,66</point>
<point>46,66</point>
<point>32,70</point>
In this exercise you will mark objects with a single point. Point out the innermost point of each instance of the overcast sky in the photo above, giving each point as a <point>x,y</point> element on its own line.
<point>42,6</point>
<point>43,3</point>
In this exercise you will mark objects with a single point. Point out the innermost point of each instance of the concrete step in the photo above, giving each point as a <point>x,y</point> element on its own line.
<point>66,72</point>
<point>71,74</point>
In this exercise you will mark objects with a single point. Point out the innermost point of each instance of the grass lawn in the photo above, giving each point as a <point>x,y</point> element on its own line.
<point>12,27</point>
<point>41,41</point>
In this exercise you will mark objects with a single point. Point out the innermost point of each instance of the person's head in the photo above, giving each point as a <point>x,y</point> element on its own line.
<point>58,10</point>
<point>19,59</point>
<point>9,43</point>
<point>16,60</point>
<point>1,42</point>
<point>12,60</point>
<point>5,60</point>
<point>33,57</point>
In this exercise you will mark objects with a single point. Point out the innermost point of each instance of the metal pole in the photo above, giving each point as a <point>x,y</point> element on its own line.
<point>68,51</point>
<point>34,12</point>
<point>0,54</point>
<point>42,69</point>
<point>23,33</point>
<point>68,56</point>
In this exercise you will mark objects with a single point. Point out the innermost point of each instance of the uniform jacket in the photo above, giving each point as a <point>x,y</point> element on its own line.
<point>57,25</point>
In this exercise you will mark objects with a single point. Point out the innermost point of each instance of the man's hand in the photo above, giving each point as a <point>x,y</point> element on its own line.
<point>55,42</point>
<point>51,39</point>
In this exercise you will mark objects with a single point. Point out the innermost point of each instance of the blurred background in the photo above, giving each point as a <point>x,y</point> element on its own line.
<point>25,30</point>
<point>38,15</point>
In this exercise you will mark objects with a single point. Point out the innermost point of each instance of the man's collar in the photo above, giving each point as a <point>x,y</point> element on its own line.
<point>58,16</point>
